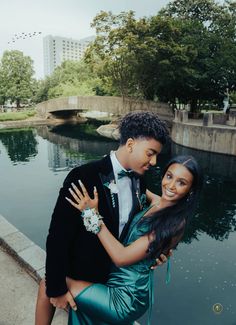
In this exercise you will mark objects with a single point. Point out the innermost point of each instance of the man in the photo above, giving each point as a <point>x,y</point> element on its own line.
<point>78,254</point>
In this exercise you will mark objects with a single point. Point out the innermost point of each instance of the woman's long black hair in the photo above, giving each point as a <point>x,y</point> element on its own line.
<point>168,224</point>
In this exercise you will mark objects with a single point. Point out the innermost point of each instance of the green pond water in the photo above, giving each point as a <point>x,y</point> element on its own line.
<point>33,165</point>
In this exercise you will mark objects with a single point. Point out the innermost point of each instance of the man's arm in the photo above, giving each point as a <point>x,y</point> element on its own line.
<point>63,228</point>
<point>61,232</point>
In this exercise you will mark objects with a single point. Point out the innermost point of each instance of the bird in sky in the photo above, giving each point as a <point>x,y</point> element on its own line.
<point>23,35</point>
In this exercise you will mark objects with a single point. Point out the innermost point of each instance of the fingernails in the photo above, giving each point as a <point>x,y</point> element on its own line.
<point>75,308</point>
<point>95,189</point>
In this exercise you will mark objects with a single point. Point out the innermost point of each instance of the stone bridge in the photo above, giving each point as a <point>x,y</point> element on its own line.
<point>113,106</point>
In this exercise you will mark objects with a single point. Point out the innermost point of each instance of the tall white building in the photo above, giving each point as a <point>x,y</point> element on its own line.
<point>57,49</point>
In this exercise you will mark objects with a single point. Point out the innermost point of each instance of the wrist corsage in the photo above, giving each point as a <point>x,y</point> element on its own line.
<point>92,220</point>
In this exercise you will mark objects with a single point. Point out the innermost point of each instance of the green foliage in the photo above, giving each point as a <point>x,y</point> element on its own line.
<point>15,116</point>
<point>233,97</point>
<point>198,10</point>
<point>209,30</point>
<point>112,54</point>
<point>184,54</point>
<point>72,78</point>
<point>16,77</point>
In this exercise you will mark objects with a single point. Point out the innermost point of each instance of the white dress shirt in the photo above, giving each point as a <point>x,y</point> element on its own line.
<point>124,192</point>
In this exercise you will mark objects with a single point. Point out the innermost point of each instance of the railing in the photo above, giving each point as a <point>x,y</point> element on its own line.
<point>209,119</point>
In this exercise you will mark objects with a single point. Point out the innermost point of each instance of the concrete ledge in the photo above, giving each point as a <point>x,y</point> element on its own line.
<point>17,241</point>
<point>6,228</point>
<point>29,255</point>
<point>213,138</point>
<point>32,258</point>
<point>31,122</point>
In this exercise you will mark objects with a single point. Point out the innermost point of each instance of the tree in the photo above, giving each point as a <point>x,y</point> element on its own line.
<point>184,54</point>
<point>112,53</point>
<point>142,57</point>
<point>41,90</point>
<point>180,61</point>
<point>71,78</point>
<point>16,76</point>
<point>202,11</point>
<point>210,32</point>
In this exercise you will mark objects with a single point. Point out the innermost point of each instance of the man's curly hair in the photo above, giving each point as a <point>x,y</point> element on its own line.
<point>142,125</point>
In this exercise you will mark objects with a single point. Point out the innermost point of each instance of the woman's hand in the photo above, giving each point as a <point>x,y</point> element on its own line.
<point>162,259</point>
<point>82,199</point>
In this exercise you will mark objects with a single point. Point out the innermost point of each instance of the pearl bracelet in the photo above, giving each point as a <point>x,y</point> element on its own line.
<point>92,220</point>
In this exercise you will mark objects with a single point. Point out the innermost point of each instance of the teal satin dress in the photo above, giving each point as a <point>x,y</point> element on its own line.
<point>125,297</point>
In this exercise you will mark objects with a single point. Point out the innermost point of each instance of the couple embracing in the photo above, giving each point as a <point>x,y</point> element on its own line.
<point>108,231</point>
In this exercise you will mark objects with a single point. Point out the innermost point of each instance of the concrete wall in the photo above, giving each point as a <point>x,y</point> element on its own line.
<point>214,138</point>
<point>204,136</point>
<point>113,105</point>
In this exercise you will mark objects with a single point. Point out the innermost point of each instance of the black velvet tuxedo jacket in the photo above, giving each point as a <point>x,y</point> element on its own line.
<point>71,250</point>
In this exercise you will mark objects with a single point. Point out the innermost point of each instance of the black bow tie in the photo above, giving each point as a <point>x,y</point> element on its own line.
<point>124,173</point>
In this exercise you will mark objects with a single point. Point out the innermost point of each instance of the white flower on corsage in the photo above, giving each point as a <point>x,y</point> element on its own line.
<point>113,190</point>
<point>92,220</point>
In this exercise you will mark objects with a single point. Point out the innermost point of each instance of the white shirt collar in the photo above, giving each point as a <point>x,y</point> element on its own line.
<point>117,167</point>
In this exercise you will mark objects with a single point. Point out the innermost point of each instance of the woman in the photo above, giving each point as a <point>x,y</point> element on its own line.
<point>127,294</point>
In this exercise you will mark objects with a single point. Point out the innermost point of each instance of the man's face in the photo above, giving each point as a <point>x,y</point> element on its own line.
<point>142,153</point>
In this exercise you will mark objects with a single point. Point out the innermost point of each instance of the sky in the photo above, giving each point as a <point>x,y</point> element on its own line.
<point>68,18</point>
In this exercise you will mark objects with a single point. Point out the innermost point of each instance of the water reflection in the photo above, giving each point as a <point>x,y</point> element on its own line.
<point>217,209</point>
<point>73,145</point>
<point>213,164</point>
<point>203,273</point>
<point>219,198</point>
<point>21,145</point>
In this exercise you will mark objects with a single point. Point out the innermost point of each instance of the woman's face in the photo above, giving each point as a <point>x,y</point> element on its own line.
<point>176,183</point>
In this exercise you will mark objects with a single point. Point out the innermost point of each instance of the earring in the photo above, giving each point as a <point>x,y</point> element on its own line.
<point>190,194</point>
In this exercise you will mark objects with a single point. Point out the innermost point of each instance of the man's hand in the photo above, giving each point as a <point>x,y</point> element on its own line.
<point>63,301</point>
<point>162,259</point>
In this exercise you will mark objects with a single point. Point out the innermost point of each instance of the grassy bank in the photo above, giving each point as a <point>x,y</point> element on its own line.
<point>17,116</point>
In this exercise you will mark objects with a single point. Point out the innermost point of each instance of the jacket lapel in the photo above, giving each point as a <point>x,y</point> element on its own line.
<point>135,205</point>
<point>107,176</point>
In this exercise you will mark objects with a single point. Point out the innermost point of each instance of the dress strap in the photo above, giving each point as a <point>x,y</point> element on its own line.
<point>151,289</point>
<point>168,271</point>
<point>151,296</point>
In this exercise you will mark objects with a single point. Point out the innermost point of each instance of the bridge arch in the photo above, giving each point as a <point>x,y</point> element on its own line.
<point>114,106</point>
